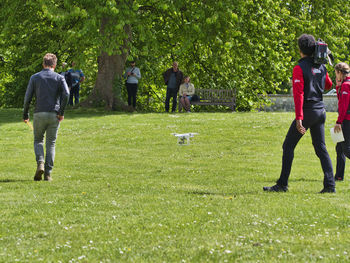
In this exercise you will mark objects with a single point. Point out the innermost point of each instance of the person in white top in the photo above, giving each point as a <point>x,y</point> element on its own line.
<point>132,75</point>
<point>186,92</point>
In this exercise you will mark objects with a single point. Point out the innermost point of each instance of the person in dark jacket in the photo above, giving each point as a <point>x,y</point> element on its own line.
<point>51,93</point>
<point>309,82</point>
<point>67,76</point>
<point>172,78</point>
<point>342,72</point>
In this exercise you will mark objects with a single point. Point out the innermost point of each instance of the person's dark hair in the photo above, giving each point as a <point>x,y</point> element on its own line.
<point>307,44</point>
<point>185,77</point>
<point>49,60</point>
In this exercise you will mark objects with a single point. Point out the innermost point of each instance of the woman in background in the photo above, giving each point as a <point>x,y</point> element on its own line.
<point>342,72</point>
<point>186,92</point>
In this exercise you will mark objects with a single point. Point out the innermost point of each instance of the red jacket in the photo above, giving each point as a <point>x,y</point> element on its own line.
<point>343,94</point>
<point>298,91</point>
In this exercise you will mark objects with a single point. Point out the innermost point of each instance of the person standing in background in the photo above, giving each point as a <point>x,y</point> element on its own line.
<point>51,95</point>
<point>78,77</point>
<point>172,78</point>
<point>132,75</point>
<point>67,75</point>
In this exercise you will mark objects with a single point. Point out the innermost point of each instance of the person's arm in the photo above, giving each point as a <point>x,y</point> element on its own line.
<point>64,98</point>
<point>137,73</point>
<point>298,95</point>
<point>329,82</point>
<point>298,92</point>
<point>27,99</point>
<point>190,90</point>
<point>181,91</point>
<point>343,102</point>
<point>82,77</point>
<point>166,76</point>
<point>126,73</point>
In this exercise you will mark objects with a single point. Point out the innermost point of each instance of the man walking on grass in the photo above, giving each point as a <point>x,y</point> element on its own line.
<point>51,93</point>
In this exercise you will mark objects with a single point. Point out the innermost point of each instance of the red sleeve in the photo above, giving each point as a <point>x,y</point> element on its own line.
<point>329,82</point>
<point>343,103</point>
<point>298,92</point>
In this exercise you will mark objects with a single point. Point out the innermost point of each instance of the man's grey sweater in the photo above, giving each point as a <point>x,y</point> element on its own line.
<point>50,90</point>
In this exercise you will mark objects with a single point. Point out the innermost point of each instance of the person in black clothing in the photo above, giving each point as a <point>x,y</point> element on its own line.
<point>67,75</point>
<point>172,78</point>
<point>309,82</point>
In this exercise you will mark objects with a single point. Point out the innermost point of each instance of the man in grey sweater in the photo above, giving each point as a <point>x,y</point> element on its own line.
<point>51,93</point>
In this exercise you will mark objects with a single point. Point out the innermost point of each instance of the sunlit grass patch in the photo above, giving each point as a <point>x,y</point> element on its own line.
<point>123,190</point>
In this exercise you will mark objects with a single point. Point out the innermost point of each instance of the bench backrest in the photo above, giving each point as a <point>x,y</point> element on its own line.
<point>217,95</point>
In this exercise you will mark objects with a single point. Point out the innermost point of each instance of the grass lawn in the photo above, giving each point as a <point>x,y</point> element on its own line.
<point>123,190</point>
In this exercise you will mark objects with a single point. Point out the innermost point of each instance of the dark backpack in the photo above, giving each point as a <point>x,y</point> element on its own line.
<point>321,53</point>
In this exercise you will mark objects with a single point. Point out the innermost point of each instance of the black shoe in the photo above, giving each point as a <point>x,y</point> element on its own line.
<point>276,188</point>
<point>338,178</point>
<point>328,190</point>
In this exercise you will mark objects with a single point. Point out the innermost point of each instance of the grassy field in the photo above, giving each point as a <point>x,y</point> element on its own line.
<point>124,191</point>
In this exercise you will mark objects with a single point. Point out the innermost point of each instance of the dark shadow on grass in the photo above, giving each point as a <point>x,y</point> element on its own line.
<point>221,194</point>
<point>14,181</point>
<point>299,180</point>
<point>306,180</point>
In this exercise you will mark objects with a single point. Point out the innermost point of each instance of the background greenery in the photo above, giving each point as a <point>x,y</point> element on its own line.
<point>247,45</point>
<point>123,190</point>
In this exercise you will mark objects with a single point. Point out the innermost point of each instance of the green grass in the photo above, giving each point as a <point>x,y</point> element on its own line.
<point>123,190</point>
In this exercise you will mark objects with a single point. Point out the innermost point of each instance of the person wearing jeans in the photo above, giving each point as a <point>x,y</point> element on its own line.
<point>51,93</point>
<point>172,78</point>
<point>78,77</point>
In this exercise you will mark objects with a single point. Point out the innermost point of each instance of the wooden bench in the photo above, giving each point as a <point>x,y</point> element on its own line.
<point>225,97</point>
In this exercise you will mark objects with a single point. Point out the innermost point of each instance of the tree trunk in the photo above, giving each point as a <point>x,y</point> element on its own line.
<point>110,67</point>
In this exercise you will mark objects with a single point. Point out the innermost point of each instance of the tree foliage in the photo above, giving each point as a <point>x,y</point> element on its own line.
<point>247,45</point>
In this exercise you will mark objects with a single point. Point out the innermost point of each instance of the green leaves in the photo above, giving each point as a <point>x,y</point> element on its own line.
<point>246,45</point>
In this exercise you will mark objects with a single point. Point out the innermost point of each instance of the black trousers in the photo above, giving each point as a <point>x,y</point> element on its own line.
<point>343,150</point>
<point>74,92</point>
<point>131,88</point>
<point>314,119</point>
<point>171,93</point>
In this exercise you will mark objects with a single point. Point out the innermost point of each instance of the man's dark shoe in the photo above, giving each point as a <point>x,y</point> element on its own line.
<point>338,178</point>
<point>276,188</point>
<point>47,177</point>
<point>328,190</point>
<point>39,171</point>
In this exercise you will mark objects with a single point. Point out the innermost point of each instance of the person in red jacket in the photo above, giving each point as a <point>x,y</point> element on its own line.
<point>342,72</point>
<point>309,82</point>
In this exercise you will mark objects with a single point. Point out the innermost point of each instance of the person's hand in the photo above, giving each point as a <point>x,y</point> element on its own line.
<point>300,126</point>
<point>26,120</point>
<point>60,118</point>
<point>337,128</point>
